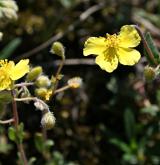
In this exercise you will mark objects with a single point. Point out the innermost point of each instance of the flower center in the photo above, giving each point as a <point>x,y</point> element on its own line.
<point>112,41</point>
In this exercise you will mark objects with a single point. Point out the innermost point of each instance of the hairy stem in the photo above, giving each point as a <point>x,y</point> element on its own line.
<point>57,74</point>
<point>7,121</point>
<point>23,84</point>
<point>151,56</point>
<point>16,122</point>
<point>61,89</point>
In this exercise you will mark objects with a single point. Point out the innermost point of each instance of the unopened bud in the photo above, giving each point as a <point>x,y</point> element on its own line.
<point>41,92</point>
<point>34,73</point>
<point>48,120</point>
<point>58,49</point>
<point>75,82</point>
<point>149,73</point>
<point>43,81</point>
<point>39,105</point>
<point>1,35</point>
<point>8,9</point>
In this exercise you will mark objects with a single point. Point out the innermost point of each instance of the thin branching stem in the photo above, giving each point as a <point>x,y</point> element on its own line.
<point>61,89</point>
<point>82,17</point>
<point>23,84</point>
<point>7,121</point>
<point>57,75</point>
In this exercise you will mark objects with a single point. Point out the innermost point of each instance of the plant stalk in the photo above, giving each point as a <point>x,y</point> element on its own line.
<point>16,123</point>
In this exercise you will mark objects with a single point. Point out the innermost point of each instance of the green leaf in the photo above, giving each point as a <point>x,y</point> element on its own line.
<point>68,3</point>
<point>153,48</point>
<point>5,97</point>
<point>152,110</point>
<point>10,48</point>
<point>31,160</point>
<point>129,122</point>
<point>49,144</point>
<point>12,134</point>
<point>123,146</point>
<point>39,142</point>
<point>20,133</point>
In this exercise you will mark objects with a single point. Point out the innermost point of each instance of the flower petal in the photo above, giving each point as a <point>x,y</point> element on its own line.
<point>94,45</point>
<point>128,56</point>
<point>128,37</point>
<point>107,61</point>
<point>19,70</point>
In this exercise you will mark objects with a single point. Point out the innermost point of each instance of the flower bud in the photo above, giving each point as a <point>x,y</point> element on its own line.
<point>48,120</point>
<point>34,73</point>
<point>58,49</point>
<point>75,82</point>
<point>149,73</point>
<point>43,81</point>
<point>8,9</point>
<point>39,105</point>
<point>41,92</point>
<point>1,35</point>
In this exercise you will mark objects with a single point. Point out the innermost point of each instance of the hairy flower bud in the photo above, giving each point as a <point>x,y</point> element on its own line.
<point>58,49</point>
<point>40,105</point>
<point>48,120</point>
<point>34,73</point>
<point>43,81</point>
<point>8,9</point>
<point>149,73</point>
<point>41,92</point>
<point>1,35</point>
<point>75,82</point>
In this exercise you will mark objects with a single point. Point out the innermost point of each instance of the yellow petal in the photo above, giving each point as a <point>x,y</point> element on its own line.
<point>107,61</point>
<point>94,45</point>
<point>128,56</point>
<point>19,70</point>
<point>128,37</point>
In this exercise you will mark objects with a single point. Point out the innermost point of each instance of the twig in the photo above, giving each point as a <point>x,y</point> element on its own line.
<point>81,61</point>
<point>57,74</point>
<point>62,89</point>
<point>7,121</point>
<point>151,56</point>
<point>147,24</point>
<point>23,84</point>
<point>58,36</point>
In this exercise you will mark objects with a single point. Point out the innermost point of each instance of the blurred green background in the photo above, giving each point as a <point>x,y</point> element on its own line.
<point>113,119</point>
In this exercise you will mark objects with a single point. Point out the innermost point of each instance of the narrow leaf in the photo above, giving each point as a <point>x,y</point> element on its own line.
<point>10,48</point>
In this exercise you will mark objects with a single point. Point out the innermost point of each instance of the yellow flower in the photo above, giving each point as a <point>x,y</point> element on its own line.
<point>9,72</point>
<point>48,94</point>
<point>114,48</point>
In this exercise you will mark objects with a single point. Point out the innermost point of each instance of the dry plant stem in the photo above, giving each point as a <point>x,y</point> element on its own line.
<point>61,89</point>
<point>7,121</point>
<point>151,56</point>
<point>70,28</point>
<point>16,122</point>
